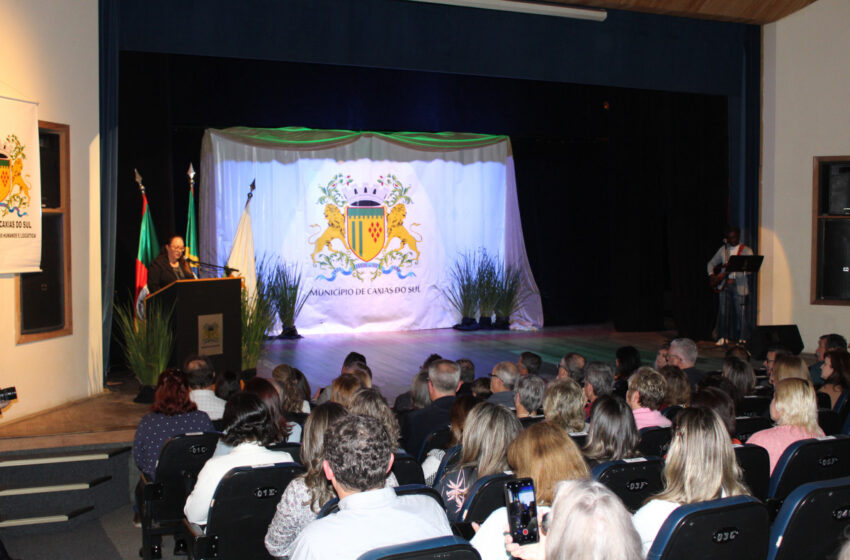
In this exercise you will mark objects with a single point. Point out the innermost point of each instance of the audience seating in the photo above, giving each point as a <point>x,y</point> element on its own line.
<point>808,460</point>
<point>654,442</point>
<point>437,439</point>
<point>162,499</point>
<point>294,449</point>
<point>729,528</point>
<point>485,496</point>
<point>444,548</point>
<point>671,412</point>
<point>579,439</point>
<point>332,506</point>
<point>633,480</point>
<point>298,417</point>
<point>755,464</point>
<point>824,402</point>
<point>745,426</point>
<point>829,422</point>
<point>450,459</point>
<point>407,470</point>
<point>813,521</point>
<point>242,508</point>
<point>530,420</point>
<point>754,405</point>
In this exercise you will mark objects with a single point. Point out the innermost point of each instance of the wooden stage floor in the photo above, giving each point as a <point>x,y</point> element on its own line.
<point>394,358</point>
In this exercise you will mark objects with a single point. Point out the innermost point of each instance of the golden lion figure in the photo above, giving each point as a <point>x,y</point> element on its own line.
<point>16,178</point>
<point>396,229</point>
<point>335,230</point>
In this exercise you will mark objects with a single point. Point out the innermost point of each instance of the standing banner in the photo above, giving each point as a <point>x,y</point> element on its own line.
<point>374,222</point>
<point>20,187</point>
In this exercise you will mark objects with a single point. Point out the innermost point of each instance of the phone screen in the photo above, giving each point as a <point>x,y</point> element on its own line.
<point>522,510</point>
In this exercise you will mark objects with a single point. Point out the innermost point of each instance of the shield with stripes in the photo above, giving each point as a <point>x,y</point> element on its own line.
<point>366,230</point>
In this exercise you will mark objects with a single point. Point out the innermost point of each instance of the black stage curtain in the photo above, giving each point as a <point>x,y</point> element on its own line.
<point>623,193</point>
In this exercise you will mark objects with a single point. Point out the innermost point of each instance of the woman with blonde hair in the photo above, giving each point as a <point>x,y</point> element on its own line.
<point>488,432</point>
<point>546,454</point>
<point>790,367</point>
<point>587,522</point>
<point>343,389</point>
<point>700,466</point>
<point>563,405</point>
<point>795,411</point>
<point>370,402</point>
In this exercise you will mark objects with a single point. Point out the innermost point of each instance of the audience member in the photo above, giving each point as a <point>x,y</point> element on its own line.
<point>481,388</point>
<point>563,405</point>
<point>227,384</point>
<point>683,354</point>
<point>598,381</point>
<point>678,392</point>
<point>741,375</point>
<point>270,394</point>
<point>352,359</point>
<point>358,455</point>
<point>773,354</point>
<point>572,365</point>
<point>430,360</point>
<point>627,362</point>
<point>250,428</point>
<point>700,466</point>
<point>343,388</point>
<point>502,382</point>
<point>835,371</point>
<point>529,364</point>
<point>825,343</point>
<point>612,434</point>
<point>645,396</point>
<point>795,411</point>
<point>467,376</point>
<point>738,351</point>
<point>587,522</point>
<point>529,399</point>
<point>172,413</point>
<point>370,402</point>
<point>457,419</point>
<point>305,495</point>
<point>201,376</point>
<point>790,366</point>
<point>545,454</point>
<point>291,379</point>
<point>442,384</point>
<point>720,402</point>
<point>661,357</point>
<point>488,432</point>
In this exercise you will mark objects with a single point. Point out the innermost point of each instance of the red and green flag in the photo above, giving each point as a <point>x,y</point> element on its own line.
<point>148,247</point>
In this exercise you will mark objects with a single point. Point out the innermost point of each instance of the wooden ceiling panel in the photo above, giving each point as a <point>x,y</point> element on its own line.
<point>756,12</point>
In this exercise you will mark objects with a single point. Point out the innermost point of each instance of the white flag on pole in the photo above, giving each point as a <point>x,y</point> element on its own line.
<point>242,253</point>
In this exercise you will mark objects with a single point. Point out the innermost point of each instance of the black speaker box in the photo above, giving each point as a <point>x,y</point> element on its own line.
<point>838,189</point>
<point>767,336</point>
<point>43,293</point>
<point>834,259</point>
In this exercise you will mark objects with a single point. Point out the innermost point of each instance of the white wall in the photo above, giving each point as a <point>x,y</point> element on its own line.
<point>50,55</point>
<point>806,113</point>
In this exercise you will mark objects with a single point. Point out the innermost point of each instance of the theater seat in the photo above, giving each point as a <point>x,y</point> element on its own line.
<point>829,422</point>
<point>243,505</point>
<point>808,460</point>
<point>407,470</point>
<point>450,459</point>
<point>485,496</point>
<point>162,500</point>
<point>813,521</point>
<point>745,426</point>
<point>754,406</point>
<point>294,449</point>
<point>633,480</point>
<point>729,529</point>
<point>437,439</point>
<point>654,442</point>
<point>755,464</point>
<point>444,548</point>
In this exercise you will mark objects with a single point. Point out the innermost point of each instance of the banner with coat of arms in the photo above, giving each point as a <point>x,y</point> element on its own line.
<point>374,221</point>
<point>20,187</point>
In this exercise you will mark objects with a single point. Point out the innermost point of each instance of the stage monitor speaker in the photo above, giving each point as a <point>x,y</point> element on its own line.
<point>838,188</point>
<point>834,259</point>
<point>43,293</point>
<point>767,336</point>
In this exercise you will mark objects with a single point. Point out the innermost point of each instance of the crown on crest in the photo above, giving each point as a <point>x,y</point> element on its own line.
<point>365,194</point>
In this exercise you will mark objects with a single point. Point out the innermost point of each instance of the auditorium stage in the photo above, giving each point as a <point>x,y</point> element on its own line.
<point>394,358</point>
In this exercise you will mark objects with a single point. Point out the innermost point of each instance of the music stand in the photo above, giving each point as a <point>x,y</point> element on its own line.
<point>743,263</point>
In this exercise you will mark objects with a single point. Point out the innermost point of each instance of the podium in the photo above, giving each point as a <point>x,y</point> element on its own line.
<point>207,320</point>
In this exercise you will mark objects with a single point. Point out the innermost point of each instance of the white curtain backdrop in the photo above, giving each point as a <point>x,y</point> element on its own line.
<point>453,199</point>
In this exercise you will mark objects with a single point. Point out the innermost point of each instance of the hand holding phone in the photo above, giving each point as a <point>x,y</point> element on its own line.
<point>522,511</point>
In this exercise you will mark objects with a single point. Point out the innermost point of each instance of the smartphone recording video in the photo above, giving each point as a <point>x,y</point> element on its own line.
<point>522,511</point>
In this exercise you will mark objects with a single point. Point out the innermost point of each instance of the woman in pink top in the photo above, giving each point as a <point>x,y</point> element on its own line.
<point>795,411</point>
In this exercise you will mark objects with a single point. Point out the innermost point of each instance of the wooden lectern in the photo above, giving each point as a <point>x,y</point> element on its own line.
<point>207,320</point>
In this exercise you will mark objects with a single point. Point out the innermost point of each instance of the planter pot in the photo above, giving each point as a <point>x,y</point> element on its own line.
<point>146,394</point>
<point>467,324</point>
<point>502,323</point>
<point>485,323</point>
<point>289,333</point>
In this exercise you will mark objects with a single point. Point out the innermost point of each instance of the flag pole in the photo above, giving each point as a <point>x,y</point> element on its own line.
<point>191,240</point>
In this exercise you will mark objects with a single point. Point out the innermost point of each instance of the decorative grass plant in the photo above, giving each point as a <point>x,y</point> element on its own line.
<point>146,343</point>
<point>462,291</point>
<point>258,316</point>
<point>487,277</point>
<point>509,294</point>
<point>288,296</point>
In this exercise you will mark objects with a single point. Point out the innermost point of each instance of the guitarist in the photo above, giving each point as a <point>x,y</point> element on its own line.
<point>733,288</point>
